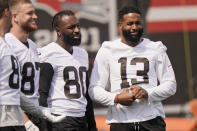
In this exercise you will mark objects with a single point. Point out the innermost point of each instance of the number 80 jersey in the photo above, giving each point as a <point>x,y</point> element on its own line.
<point>67,87</point>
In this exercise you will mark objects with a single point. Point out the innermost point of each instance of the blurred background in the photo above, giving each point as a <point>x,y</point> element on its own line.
<point>174,22</point>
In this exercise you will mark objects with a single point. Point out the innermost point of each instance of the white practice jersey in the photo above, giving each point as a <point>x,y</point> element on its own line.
<point>29,62</point>
<point>67,87</point>
<point>9,76</point>
<point>123,66</point>
<point>10,111</point>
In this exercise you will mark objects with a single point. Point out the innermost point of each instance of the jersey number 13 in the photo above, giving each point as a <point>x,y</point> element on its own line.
<point>143,73</point>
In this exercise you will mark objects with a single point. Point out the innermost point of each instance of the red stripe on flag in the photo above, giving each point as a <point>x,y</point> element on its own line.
<point>171,26</point>
<point>173,2</point>
<point>73,1</point>
<point>55,4</point>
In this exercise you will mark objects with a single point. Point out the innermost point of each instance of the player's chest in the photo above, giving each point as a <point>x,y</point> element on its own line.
<point>132,64</point>
<point>29,61</point>
<point>8,62</point>
<point>71,66</point>
<point>25,54</point>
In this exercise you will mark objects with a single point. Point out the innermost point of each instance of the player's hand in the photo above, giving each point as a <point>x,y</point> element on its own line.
<point>30,126</point>
<point>138,92</point>
<point>124,98</point>
<point>50,117</point>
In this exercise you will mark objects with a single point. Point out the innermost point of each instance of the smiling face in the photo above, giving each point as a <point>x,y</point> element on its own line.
<point>69,29</point>
<point>131,27</point>
<point>25,17</point>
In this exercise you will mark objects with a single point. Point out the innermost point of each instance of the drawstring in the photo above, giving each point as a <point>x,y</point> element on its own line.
<point>136,126</point>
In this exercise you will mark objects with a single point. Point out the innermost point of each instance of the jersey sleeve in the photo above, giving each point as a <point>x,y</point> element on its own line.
<point>46,76</point>
<point>166,78</point>
<point>90,110</point>
<point>99,79</point>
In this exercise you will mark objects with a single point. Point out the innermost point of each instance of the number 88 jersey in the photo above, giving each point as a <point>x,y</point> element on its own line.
<point>9,76</point>
<point>67,85</point>
<point>29,62</point>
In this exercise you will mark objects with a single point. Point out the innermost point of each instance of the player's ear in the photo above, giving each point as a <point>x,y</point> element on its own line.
<point>6,12</point>
<point>119,28</point>
<point>119,24</point>
<point>14,18</point>
<point>58,31</point>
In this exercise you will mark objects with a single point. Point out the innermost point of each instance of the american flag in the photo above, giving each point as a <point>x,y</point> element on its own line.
<point>172,16</point>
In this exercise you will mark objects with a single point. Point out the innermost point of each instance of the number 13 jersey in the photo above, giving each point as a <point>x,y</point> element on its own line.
<point>65,75</point>
<point>126,66</point>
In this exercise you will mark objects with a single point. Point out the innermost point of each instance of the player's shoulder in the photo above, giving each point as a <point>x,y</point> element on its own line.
<point>10,39</point>
<point>2,43</point>
<point>32,44</point>
<point>47,48</point>
<point>79,50</point>
<point>46,51</point>
<point>154,45</point>
<point>3,47</point>
<point>110,44</point>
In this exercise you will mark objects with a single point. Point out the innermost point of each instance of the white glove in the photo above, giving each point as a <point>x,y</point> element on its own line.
<point>50,117</point>
<point>30,126</point>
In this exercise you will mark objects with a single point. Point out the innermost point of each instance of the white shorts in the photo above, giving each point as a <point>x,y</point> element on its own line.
<point>11,115</point>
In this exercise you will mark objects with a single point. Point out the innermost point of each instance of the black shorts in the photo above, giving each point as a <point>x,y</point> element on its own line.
<point>156,124</point>
<point>70,124</point>
<point>13,128</point>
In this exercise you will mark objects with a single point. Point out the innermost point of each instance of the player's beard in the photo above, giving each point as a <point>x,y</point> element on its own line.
<point>132,38</point>
<point>29,27</point>
<point>70,40</point>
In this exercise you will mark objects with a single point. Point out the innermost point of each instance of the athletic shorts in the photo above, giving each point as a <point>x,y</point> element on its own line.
<point>13,128</point>
<point>70,124</point>
<point>156,124</point>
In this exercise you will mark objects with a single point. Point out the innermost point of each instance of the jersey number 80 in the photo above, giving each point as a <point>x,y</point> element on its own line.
<point>74,82</point>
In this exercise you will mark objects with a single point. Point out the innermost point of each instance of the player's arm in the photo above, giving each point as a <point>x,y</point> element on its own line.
<point>46,76</point>
<point>166,77</point>
<point>90,110</point>
<point>98,80</point>
<point>29,125</point>
<point>38,111</point>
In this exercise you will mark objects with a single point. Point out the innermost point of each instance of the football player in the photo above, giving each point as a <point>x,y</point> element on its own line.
<point>133,65</point>
<point>10,111</point>
<point>64,76</point>
<point>24,22</point>
<point>11,99</point>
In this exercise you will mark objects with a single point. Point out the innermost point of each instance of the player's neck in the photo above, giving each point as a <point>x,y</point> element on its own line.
<point>3,28</point>
<point>2,33</point>
<point>67,47</point>
<point>19,34</point>
<point>133,44</point>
